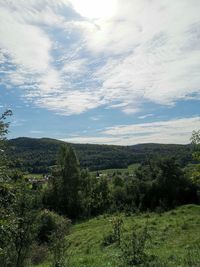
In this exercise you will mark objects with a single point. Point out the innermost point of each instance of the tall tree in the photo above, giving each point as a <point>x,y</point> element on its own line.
<point>65,185</point>
<point>195,175</point>
<point>195,139</point>
<point>3,131</point>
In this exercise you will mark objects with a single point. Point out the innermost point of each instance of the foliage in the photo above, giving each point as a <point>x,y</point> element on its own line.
<point>115,235</point>
<point>3,131</point>
<point>18,223</point>
<point>95,194</point>
<point>156,184</point>
<point>195,172</point>
<point>49,222</point>
<point>63,193</point>
<point>164,184</point>
<point>195,139</point>
<point>58,243</point>
<point>39,155</point>
<point>133,251</point>
<point>39,253</point>
<point>4,125</point>
<point>117,223</point>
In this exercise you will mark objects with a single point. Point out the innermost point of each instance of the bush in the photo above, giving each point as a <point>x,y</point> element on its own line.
<point>133,251</point>
<point>115,235</point>
<point>49,222</point>
<point>52,231</point>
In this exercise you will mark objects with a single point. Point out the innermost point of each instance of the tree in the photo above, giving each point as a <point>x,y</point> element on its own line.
<point>195,173</point>
<point>195,140</point>
<point>164,184</point>
<point>18,211</point>
<point>53,230</point>
<point>4,125</point>
<point>18,224</point>
<point>3,131</point>
<point>64,191</point>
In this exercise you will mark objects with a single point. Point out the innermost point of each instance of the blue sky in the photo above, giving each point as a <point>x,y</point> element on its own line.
<point>109,71</point>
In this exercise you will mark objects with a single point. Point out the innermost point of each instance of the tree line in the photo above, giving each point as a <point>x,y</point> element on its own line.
<point>39,155</point>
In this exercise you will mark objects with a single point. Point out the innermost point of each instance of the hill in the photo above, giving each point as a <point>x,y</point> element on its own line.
<point>37,155</point>
<point>174,238</point>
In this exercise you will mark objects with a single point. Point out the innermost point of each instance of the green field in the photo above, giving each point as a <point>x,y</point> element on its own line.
<point>131,169</point>
<point>172,235</point>
<point>33,175</point>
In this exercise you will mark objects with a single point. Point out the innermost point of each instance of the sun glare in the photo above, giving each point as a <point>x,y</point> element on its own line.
<point>95,9</point>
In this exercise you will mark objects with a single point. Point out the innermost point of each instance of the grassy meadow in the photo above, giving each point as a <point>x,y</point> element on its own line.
<point>130,170</point>
<point>174,236</point>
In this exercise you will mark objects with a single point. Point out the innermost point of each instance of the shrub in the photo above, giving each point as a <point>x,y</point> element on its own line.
<point>133,251</point>
<point>52,231</point>
<point>49,222</point>
<point>117,223</point>
<point>115,235</point>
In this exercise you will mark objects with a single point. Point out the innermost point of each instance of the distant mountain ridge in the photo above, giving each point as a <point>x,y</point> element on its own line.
<point>37,155</point>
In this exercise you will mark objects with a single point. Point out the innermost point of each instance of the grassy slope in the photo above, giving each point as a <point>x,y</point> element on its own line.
<point>33,175</point>
<point>131,169</point>
<point>172,232</point>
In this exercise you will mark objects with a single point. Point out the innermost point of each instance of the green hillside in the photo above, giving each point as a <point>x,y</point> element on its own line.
<point>174,239</point>
<point>37,155</point>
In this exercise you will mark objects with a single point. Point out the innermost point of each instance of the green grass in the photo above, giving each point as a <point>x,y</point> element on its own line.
<point>131,169</point>
<point>34,175</point>
<point>171,234</point>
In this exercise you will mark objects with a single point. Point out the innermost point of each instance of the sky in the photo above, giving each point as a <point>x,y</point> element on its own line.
<point>117,72</point>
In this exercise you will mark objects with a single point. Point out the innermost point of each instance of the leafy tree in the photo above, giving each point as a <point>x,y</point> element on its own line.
<point>133,250</point>
<point>4,125</point>
<point>59,244</point>
<point>64,192</point>
<point>95,194</point>
<point>163,184</point>
<point>18,225</point>
<point>195,139</point>
<point>115,235</point>
<point>195,173</point>
<point>53,230</point>
<point>88,185</point>
<point>3,131</point>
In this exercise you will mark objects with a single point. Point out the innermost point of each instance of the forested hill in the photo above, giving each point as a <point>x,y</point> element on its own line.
<point>37,155</point>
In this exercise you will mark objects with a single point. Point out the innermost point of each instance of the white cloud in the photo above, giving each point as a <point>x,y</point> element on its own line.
<point>27,45</point>
<point>95,9</point>
<point>36,132</point>
<point>95,118</point>
<point>176,125</point>
<point>75,67</point>
<point>145,116</point>
<point>142,51</point>
<point>153,52</point>
<point>72,102</point>
<point>177,131</point>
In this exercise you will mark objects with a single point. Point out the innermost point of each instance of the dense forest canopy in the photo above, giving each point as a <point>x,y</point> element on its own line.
<point>37,155</point>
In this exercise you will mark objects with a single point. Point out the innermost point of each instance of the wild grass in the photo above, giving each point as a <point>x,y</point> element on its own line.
<point>130,169</point>
<point>174,238</point>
